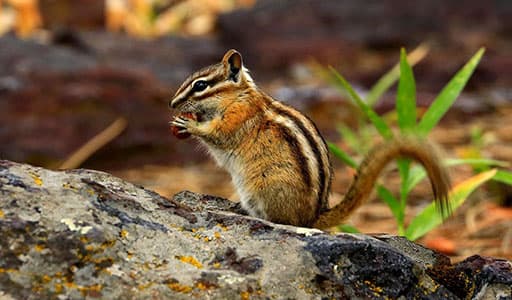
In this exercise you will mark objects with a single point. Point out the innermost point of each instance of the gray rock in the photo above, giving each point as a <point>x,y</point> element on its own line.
<point>86,234</point>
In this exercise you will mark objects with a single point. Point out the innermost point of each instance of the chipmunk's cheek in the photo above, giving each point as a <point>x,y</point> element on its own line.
<point>206,113</point>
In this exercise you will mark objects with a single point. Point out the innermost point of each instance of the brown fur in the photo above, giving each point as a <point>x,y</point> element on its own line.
<point>277,158</point>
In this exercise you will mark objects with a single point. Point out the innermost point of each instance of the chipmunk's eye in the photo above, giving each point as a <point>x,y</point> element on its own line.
<point>200,85</point>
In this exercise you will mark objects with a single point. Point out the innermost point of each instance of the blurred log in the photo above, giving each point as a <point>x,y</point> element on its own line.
<point>280,32</point>
<point>55,97</point>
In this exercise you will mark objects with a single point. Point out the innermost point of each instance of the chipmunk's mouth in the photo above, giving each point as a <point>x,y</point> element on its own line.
<point>198,116</point>
<point>188,110</point>
<point>189,115</point>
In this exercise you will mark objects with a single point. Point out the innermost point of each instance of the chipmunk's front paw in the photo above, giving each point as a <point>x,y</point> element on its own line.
<point>182,127</point>
<point>182,123</point>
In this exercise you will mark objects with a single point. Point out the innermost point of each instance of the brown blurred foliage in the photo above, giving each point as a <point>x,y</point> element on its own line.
<point>144,18</point>
<point>22,16</point>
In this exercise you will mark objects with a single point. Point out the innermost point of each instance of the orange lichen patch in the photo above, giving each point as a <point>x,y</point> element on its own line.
<point>10,270</point>
<point>133,275</point>
<point>190,260</point>
<point>37,289</point>
<point>145,266</point>
<point>217,235</point>
<point>67,185</point>
<point>201,286</point>
<point>216,265</point>
<point>91,289</point>
<point>179,228</point>
<point>94,248</point>
<point>376,290</point>
<point>205,285</point>
<point>181,288</point>
<point>245,295</point>
<point>108,244</point>
<point>1,214</point>
<point>106,271</point>
<point>37,180</point>
<point>144,286</point>
<point>84,289</point>
<point>39,247</point>
<point>58,288</point>
<point>46,279</point>
<point>304,288</point>
<point>124,234</point>
<point>89,248</point>
<point>223,227</point>
<point>103,262</point>
<point>197,229</point>
<point>84,239</point>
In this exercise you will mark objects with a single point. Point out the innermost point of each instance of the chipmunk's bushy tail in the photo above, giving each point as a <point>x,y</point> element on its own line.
<point>373,164</point>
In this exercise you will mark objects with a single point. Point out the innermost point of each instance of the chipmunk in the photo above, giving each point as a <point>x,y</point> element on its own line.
<point>277,158</point>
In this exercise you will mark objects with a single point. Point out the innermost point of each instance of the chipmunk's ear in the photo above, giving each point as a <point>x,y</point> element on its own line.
<point>232,60</point>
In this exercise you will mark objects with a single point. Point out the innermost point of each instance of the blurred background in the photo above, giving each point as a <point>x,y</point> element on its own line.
<point>85,83</point>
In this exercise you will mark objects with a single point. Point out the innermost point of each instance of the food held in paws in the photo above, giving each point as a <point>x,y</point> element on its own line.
<point>175,130</point>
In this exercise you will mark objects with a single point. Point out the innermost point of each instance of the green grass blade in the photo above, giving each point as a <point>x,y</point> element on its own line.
<point>342,155</point>
<point>430,216</point>
<point>390,200</point>
<point>348,228</point>
<point>448,95</point>
<point>349,137</point>
<point>503,176</point>
<point>404,166</point>
<point>476,161</point>
<point>417,173</point>
<point>406,96</point>
<point>382,86</point>
<point>394,205</point>
<point>388,79</point>
<point>377,121</point>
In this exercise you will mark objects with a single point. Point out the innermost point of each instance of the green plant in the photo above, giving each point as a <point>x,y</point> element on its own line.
<point>406,112</point>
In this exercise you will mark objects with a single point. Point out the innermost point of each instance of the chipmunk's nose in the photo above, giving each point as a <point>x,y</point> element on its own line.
<point>175,102</point>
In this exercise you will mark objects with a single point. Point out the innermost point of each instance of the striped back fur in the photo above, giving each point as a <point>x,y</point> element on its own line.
<point>214,91</point>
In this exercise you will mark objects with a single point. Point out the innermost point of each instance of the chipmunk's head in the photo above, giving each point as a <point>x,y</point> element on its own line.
<point>202,91</point>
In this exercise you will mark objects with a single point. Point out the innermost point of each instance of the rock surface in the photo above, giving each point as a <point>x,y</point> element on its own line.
<point>81,233</point>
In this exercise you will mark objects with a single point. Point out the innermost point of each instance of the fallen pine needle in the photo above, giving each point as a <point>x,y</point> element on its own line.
<point>94,144</point>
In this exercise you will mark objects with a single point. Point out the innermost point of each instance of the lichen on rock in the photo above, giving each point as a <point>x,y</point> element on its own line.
<point>82,233</point>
